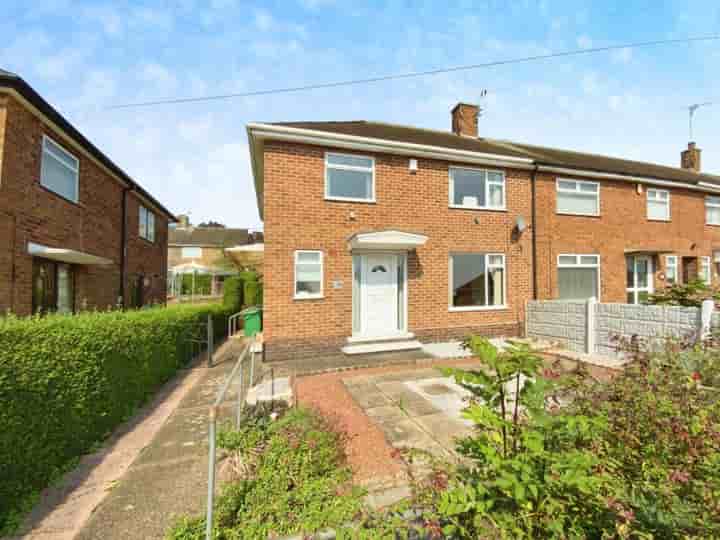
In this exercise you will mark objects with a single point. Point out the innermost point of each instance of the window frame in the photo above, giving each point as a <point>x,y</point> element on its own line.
<point>675,265</point>
<point>705,261</point>
<point>666,201</point>
<point>76,170</point>
<point>148,213</point>
<point>578,264</point>
<point>182,252</point>
<point>319,295</point>
<point>558,190</point>
<point>709,204</point>
<point>451,189</point>
<point>329,166</point>
<point>486,255</point>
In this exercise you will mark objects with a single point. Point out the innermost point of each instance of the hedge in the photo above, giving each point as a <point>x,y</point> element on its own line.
<point>233,293</point>
<point>67,381</point>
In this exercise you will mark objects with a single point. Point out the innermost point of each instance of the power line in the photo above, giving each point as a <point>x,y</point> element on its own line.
<point>415,74</point>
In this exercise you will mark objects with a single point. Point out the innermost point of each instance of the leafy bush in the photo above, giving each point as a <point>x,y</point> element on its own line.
<point>233,293</point>
<point>295,481</point>
<point>67,381</point>
<point>251,293</point>
<point>689,294</point>
<point>636,457</point>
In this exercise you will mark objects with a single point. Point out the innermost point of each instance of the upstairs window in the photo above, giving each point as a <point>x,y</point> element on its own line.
<point>712,210</point>
<point>578,198</point>
<point>658,204</point>
<point>59,170</point>
<point>349,177</point>
<point>191,252</point>
<point>308,274</point>
<point>477,281</point>
<point>476,188</point>
<point>147,224</point>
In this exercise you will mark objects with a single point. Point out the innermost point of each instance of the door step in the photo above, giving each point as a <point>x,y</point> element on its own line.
<point>382,346</point>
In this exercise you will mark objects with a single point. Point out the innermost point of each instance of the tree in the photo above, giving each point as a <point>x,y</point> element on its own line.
<point>212,225</point>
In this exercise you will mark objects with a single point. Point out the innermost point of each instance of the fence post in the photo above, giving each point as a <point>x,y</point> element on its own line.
<point>706,313</point>
<point>590,325</point>
<point>210,341</point>
<point>240,401</point>
<point>211,476</point>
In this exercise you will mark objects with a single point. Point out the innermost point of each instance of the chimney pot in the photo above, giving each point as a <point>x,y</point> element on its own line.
<point>690,158</point>
<point>183,221</point>
<point>465,119</point>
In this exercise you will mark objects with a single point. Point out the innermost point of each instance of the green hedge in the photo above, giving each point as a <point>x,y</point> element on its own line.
<point>67,381</point>
<point>250,293</point>
<point>233,293</point>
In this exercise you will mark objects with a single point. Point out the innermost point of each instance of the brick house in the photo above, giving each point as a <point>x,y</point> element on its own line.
<point>202,250</point>
<point>378,235</point>
<point>75,230</point>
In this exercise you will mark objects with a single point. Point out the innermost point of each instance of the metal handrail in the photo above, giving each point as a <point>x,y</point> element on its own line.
<point>234,319</point>
<point>212,424</point>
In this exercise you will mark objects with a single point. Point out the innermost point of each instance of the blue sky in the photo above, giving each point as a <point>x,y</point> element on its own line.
<point>84,56</point>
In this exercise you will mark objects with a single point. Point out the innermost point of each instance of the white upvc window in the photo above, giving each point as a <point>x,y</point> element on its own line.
<point>712,210</point>
<point>671,268</point>
<point>477,281</point>
<point>705,274</point>
<point>191,252</point>
<point>658,204</point>
<point>477,188</point>
<point>578,276</point>
<point>308,274</point>
<point>349,177</point>
<point>578,197</point>
<point>59,170</point>
<point>146,223</point>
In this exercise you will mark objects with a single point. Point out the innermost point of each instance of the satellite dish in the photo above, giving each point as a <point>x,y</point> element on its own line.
<point>520,224</point>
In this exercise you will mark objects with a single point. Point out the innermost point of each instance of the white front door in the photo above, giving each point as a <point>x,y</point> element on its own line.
<point>639,279</point>
<point>379,290</point>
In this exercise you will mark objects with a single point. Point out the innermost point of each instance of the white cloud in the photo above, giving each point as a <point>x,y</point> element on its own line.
<point>161,78</point>
<point>315,4</point>
<point>60,66</point>
<point>263,20</point>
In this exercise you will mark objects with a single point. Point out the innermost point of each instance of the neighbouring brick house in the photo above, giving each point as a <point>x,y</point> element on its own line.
<point>379,235</point>
<point>75,230</point>
<point>201,250</point>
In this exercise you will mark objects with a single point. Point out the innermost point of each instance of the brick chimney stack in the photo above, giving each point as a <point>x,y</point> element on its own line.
<point>465,119</point>
<point>690,158</point>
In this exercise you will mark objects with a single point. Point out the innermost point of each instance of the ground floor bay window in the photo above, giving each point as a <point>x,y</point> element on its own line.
<point>578,276</point>
<point>477,281</point>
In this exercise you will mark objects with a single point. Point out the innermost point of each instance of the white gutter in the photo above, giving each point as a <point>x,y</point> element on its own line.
<point>323,138</point>
<point>702,186</point>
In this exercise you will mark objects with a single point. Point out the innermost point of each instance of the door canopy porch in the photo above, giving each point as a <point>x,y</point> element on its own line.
<point>389,240</point>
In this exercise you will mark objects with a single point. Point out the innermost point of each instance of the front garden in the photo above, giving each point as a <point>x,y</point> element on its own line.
<point>635,457</point>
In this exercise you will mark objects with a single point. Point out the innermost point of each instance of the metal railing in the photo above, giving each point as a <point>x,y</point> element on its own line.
<point>233,321</point>
<point>247,355</point>
<point>197,341</point>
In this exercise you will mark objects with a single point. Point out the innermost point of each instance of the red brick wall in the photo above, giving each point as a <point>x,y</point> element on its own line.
<point>31,213</point>
<point>298,217</point>
<point>622,225</point>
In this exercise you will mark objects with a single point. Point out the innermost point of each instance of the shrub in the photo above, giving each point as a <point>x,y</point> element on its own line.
<point>251,293</point>
<point>233,293</point>
<point>296,481</point>
<point>67,381</point>
<point>689,294</point>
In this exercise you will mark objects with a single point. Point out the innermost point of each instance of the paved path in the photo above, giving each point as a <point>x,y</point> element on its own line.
<point>152,470</point>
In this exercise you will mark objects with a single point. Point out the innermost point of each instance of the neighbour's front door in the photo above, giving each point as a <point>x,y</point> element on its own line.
<point>380,295</point>
<point>639,279</point>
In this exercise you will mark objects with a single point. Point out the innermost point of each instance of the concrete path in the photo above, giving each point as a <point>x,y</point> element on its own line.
<point>152,470</point>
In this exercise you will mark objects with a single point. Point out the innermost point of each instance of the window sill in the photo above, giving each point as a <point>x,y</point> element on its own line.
<point>315,297</point>
<point>661,220</point>
<point>482,208</point>
<point>713,224</point>
<point>478,308</point>
<point>576,215</point>
<point>350,199</point>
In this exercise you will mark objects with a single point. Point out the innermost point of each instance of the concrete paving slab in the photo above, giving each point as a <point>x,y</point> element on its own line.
<point>443,430</point>
<point>184,434</point>
<point>386,413</point>
<point>368,396</point>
